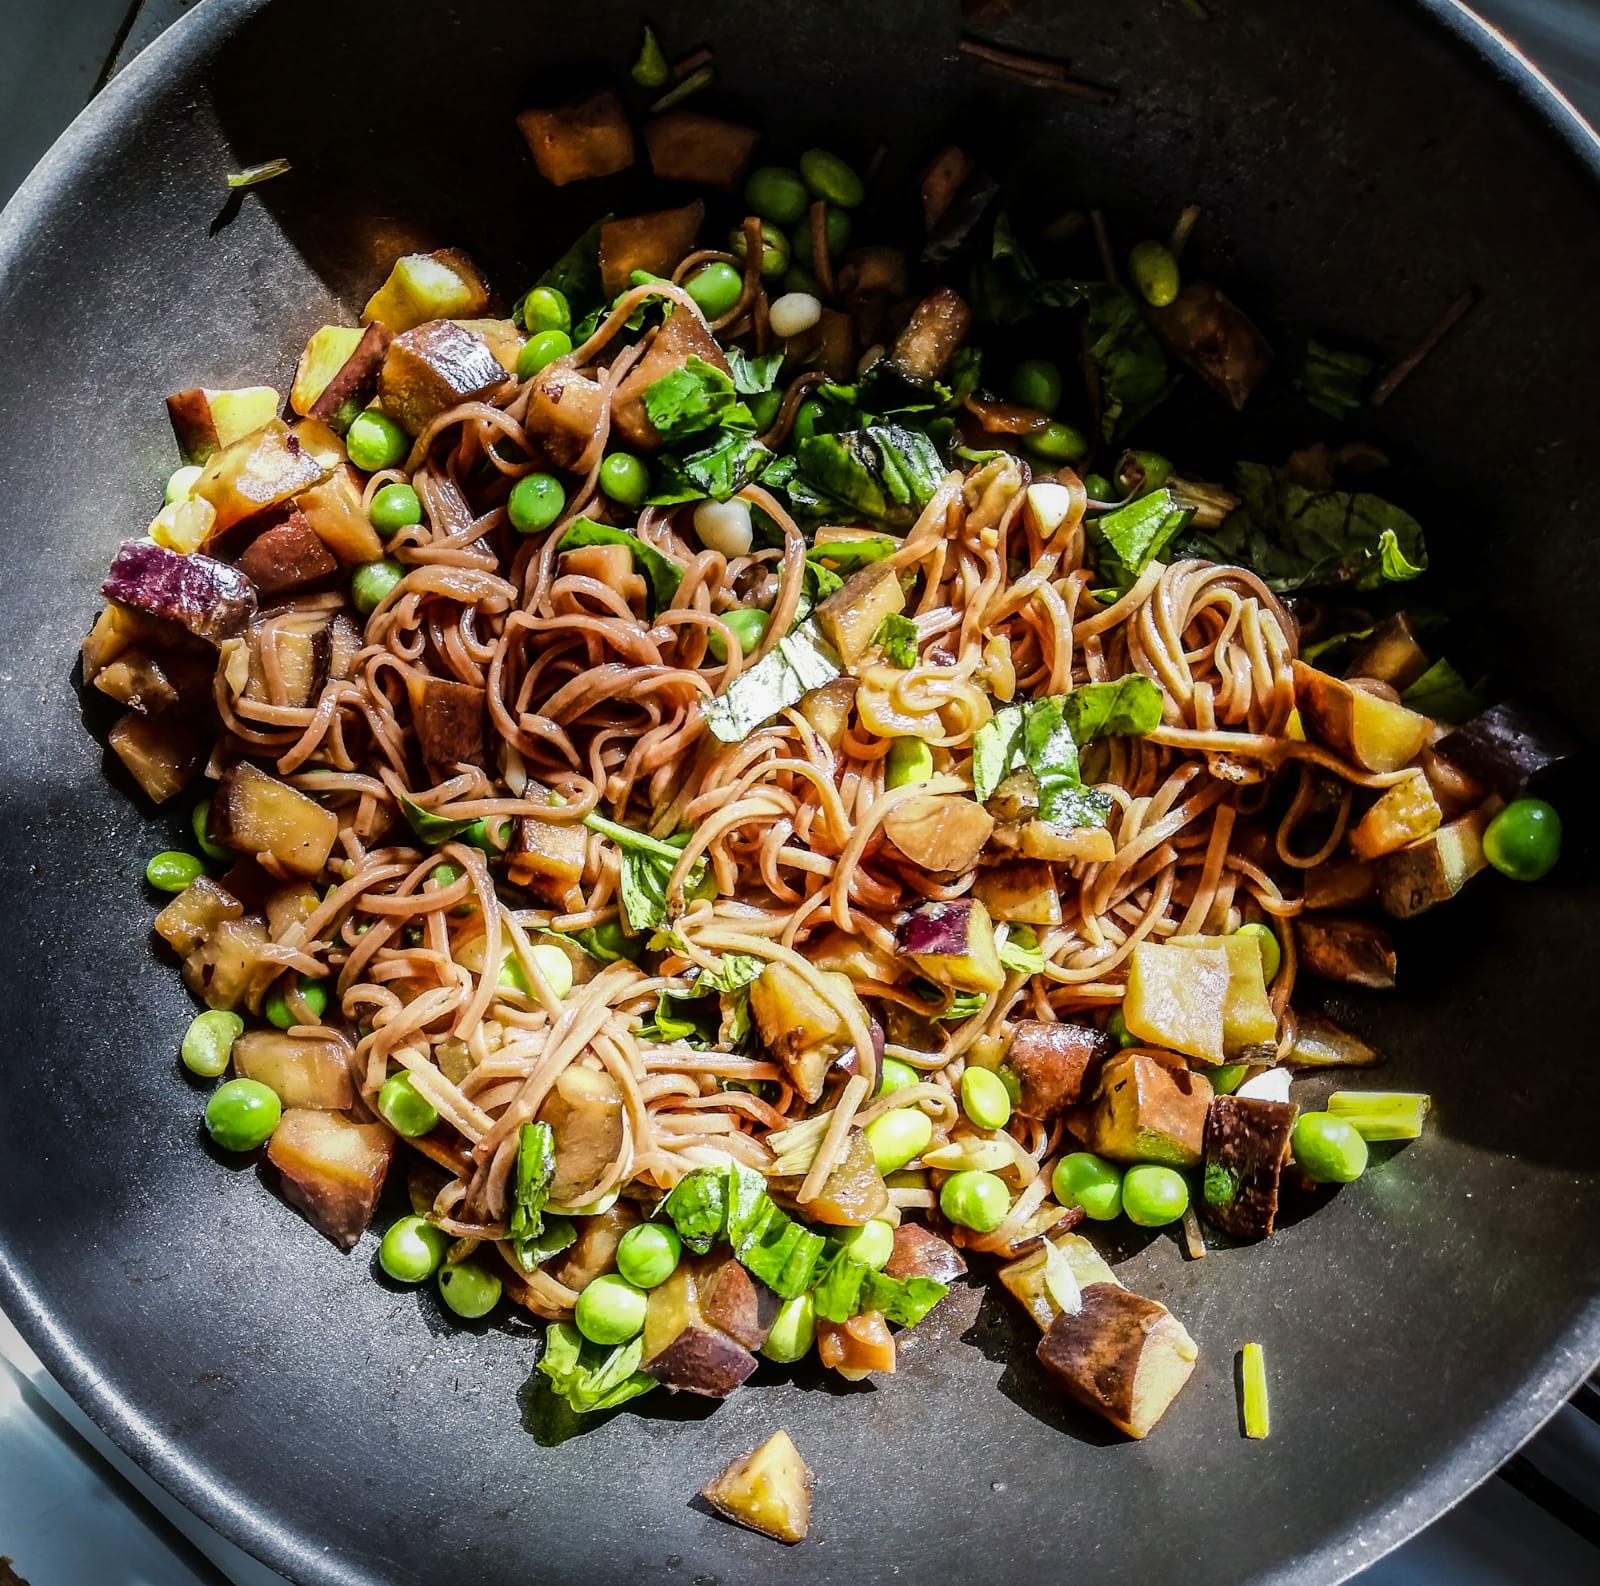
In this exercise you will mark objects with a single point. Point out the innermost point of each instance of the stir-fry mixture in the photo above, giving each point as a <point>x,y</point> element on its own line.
<point>739,766</point>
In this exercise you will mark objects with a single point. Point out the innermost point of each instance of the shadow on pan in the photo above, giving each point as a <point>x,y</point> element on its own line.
<point>1357,170</point>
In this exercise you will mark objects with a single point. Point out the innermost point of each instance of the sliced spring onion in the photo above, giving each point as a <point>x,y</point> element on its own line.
<point>1382,1114</point>
<point>1253,1391</point>
<point>692,84</point>
<point>1060,1281</point>
<point>251,175</point>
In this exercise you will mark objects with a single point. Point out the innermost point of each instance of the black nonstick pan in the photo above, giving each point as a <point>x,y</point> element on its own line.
<point>1359,166</point>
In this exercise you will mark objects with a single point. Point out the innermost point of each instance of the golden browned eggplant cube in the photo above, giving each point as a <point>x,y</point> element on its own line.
<point>769,1490</point>
<point>255,814</point>
<point>332,1169</point>
<point>1146,1110</point>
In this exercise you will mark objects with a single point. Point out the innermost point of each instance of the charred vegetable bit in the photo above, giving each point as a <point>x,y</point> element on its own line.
<point>768,1490</point>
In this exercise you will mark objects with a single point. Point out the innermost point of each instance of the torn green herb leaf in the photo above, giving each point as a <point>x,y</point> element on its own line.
<point>661,572</point>
<point>799,662</point>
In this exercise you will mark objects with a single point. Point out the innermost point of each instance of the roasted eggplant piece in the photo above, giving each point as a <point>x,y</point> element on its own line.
<point>1024,1278</point>
<point>449,718</point>
<point>942,832</point>
<point>655,243</point>
<point>255,815</point>
<point>289,556</point>
<point>799,1026</point>
<point>349,386</point>
<point>936,331</point>
<point>332,1169</point>
<point>1506,746</point>
<point>264,469</point>
<point>1176,998</point>
<point>423,287</point>
<point>1146,1110</point>
<point>1363,727</point>
<point>1248,1022</point>
<point>433,368</point>
<point>162,753</point>
<point>579,140</point>
<point>136,679</point>
<point>851,616</point>
<point>941,180</point>
<point>682,1349</point>
<point>1353,951</point>
<point>547,857</point>
<point>334,513</point>
<point>1246,1151</point>
<point>230,969</point>
<point>205,421</point>
<point>769,1491</point>
<point>1216,338</point>
<point>1021,892</point>
<point>1056,1065</point>
<point>1320,1043</point>
<point>1122,1356</point>
<point>500,336</point>
<point>302,1071</point>
<point>920,1253</point>
<point>953,943</point>
<point>208,598</point>
<point>858,1347</point>
<point>1340,884</point>
<point>1090,845</point>
<point>564,410</point>
<point>300,665</point>
<point>584,1111</point>
<point>686,146</point>
<point>195,913</point>
<point>680,338</point>
<point>1403,814</point>
<point>741,1306</point>
<point>1433,870</point>
<point>1390,653</point>
<point>853,1192</point>
<point>595,1250</point>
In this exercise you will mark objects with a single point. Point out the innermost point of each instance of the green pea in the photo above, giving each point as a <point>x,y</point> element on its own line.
<point>1328,1149</point>
<point>1154,271</point>
<point>1097,487</point>
<point>984,1098</point>
<point>1117,1029</point>
<point>469,1290</point>
<point>899,1137</point>
<point>181,485</point>
<point>208,1042</point>
<point>975,1200</point>
<point>404,1108</point>
<point>198,822</point>
<point>894,1075</point>
<point>412,1250</point>
<point>715,288</point>
<point>1058,442</point>
<point>242,1114</point>
<point>810,419</point>
<point>1036,383</point>
<point>648,1254</point>
<point>444,874</point>
<point>797,280</point>
<point>749,624</point>
<point>536,501</point>
<point>831,178</point>
<point>777,194</point>
<point>1154,1196</point>
<point>492,842</point>
<point>835,227</point>
<point>395,507</point>
<point>551,962</point>
<point>1524,840</point>
<point>373,582</point>
<point>314,993</point>
<point>1083,1179</point>
<point>625,479</point>
<point>909,760</point>
<point>374,441</point>
<point>774,248</point>
<point>1138,473</point>
<point>544,308</point>
<point>871,1244</point>
<point>173,870</point>
<point>1227,1077</point>
<point>610,1310</point>
<point>794,1330</point>
<point>1271,953</point>
<point>539,352</point>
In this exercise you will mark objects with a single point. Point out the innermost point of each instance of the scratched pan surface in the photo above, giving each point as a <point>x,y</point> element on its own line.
<point>1358,165</point>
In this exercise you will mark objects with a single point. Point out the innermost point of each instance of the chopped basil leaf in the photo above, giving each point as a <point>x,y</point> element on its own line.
<point>732,1203</point>
<point>1332,381</point>
<point>960,1005</point>
<point>848,1287</point>
<point>693,398</point>
<point>590,1377</point>
<point>697,1207</point>
<point>575,275</point>
<point>733,459</point>
<point>1128,707</point>
<point>1051,753</point>
<point>536,1166</point>
<point>847,555</point>
<point>432,829</point>
<point>647,865</point>
<point>733,971</point>
<point>1442,693</point>
<point>1021,951</point>
<point>558,1234</point>
<point>884,471</point>
<point>897,636</point>
<point>1130,367</point>
<point>608,943</point>
<point>1134,535</point>
<point>798,663</point>
<point>664,575</point>
<point>996,750</point>
<point>754,376</point>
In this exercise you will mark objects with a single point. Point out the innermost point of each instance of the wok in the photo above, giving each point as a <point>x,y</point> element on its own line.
<point>1358,166</point>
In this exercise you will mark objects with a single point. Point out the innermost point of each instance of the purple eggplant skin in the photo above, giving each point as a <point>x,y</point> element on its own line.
<point>211,599</point>
<point>1505,746</point>
<point>941,929</point>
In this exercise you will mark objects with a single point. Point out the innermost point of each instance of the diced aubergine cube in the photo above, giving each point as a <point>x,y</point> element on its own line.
<point>206,421</point>
<point>548,857</point>
<point>257,816</point>
<point>334,513</point>
<point>953,943</point>
<point>208,598</point>
<point>564,409</point>
<point>680,338</point>
<point>290,906</point>
<point>195,913</point>
<point>1390,653</point>
<point>302,1071</point>
<point>1024,1278</point>
<point>858,1347</point>
<point>136,679</point>
<point>1434,870</point>
<point>584,1111</point>
<point>449,719</point>
<point>1320,1043</point>
<point>163,753</point>
<point>286,557</point>
<point>687,146</point>
<point>230,969</point>
<point>263,470</point>
<point>851,616</point>
<point>655,243</point>
<point>1176,998</point>
<point>853,1192</point>
<point>1146,1110</point>
<point>609,565</point>
<point>426,286</point>
<point>941,180</point>
<point>1403,814</point>
<point>942,832</point>
<point>325,354</point>
<point>582,139</point>
<point>1216,338</point>
<point>799,1026</point>
<point>918,1252</point>
<point>594,1251</point>
<point>1372,731</point>
<point>1341,883</point>
<point>1090,845</point>
<point>1022,892</point>
<point>830,345</point>
<point>740,1305</point>
<point>1122,1356</point>
<point>1506,745</point>
<point>500,336</point>
<point>342,391</point>
<point>433,368</point>
<point>1248,1022</point>
<point>332,1169</point>
<point>938,327</point>
<point>682,1350</point>
<point>320,439</point>
<point>1246,1150</point>
<point>1353,951</point>
<point>769,1491</point>
<point>1056,1065</point>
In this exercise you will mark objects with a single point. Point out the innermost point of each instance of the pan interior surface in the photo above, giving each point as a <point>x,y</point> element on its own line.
<point>1357,167</point>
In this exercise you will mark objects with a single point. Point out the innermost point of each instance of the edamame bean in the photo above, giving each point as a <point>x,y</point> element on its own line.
<point>1154,271</point>
<point>715,287</point>
<point>539,352</point>
<point>984,1098</point>
<point>1271,953</point>
<point>1057,442</point>
<point>208,1042</point>
<point>894,1075</point>
<point>173,870</point>
<point>831,178</point>
<point>777,194</point>
<point>1328,1150</point>
<point>749,624</point>
<point>1036,383</point>
<point>899,1137</point>
<point>314,993</point>
<point>544,308</point>
<point>871,1244</point>
<point>794,1330</point>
